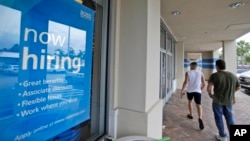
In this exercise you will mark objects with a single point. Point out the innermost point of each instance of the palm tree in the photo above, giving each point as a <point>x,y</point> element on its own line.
<point>247,58</point>
<point>58,52</point>
<point>81,54</point>
<point>242,49</point>
<point>61,52</point>
<point>14,48</point>
<point>71,52</point>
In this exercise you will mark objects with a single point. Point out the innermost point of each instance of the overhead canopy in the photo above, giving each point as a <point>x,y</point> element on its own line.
<point>203,24</point>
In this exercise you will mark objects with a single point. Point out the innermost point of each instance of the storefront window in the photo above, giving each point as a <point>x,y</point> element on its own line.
<point>166,62</point>
<point>51,71</point>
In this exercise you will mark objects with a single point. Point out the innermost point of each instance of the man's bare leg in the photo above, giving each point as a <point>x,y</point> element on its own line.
<point>190,108</point>
<point>199,111</point>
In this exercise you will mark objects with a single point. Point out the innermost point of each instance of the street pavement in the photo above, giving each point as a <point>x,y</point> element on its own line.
<point>179,128</point>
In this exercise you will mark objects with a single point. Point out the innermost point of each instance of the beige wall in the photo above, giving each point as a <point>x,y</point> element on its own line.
<point>136,60</point>
<point>207,72</point>
<point>204,55</point>
<point>179,64</point>
<point>229,52</point>
<point>216,55</point>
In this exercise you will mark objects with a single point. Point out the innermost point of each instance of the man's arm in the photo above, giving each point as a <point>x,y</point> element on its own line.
<point>203,81</point>
<point>184,84</point>
<point>210,89</point>
<point>237,88</point>
<point>237,85</point>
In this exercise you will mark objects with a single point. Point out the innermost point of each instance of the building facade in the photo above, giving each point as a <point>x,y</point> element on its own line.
<point>126,52</point>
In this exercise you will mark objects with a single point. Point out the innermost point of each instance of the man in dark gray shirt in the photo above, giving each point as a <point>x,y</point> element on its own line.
<point>224,84</point>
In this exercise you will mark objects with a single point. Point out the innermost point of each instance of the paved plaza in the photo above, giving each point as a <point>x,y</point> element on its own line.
<point>179,128</point>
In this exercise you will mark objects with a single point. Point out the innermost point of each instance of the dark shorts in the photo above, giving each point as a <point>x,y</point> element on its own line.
<point>196,96</point>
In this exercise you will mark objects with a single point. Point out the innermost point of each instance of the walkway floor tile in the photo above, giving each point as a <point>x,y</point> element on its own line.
<point>179,128</point>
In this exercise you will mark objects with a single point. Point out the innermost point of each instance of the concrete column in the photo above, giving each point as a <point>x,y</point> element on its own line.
<point>137,108</point>
<point>179,57</point>
<point>207,63</point>
<point>230,56</point>
<point>200,62</point>
<point>216,56</point>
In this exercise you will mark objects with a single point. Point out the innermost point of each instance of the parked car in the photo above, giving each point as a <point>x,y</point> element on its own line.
<point>244,79</point>
<point>11,69</point>
<point>240,71</point>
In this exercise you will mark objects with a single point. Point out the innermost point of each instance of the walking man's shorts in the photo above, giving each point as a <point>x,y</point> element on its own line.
<point>196,96</point>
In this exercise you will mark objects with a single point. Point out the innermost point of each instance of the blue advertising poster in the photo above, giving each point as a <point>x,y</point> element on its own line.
<point>45,67</point>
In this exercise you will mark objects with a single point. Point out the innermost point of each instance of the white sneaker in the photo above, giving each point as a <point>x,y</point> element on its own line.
<point>220,138</point>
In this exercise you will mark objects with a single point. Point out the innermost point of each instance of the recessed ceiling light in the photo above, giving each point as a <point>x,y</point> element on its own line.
<point>176,13</point>
<point>236,5</point>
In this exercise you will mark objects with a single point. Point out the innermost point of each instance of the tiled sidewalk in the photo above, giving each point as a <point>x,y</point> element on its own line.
<point>179,128</point>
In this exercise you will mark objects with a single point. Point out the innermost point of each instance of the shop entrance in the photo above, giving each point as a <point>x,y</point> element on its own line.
<point>166,64</point>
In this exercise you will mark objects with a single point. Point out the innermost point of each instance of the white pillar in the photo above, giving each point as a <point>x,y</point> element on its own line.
<point>200,62</point>
<point>137,107</point>
<point>216,55</point>
<point>179,57</point>
<point>230,55</point>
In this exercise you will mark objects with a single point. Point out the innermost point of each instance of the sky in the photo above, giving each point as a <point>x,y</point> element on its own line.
<point>245,37</point>
<point>9,27</point>
<point>77,37</point>
<point>10,32</point>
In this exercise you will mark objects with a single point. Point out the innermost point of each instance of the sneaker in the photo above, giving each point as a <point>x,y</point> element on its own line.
<point>220,138</point>
<point>201,125</point>
<point>189,116</point>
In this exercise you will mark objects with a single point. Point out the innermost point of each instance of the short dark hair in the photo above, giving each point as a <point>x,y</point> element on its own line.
<point>221,64</point>
<point>193,64</point>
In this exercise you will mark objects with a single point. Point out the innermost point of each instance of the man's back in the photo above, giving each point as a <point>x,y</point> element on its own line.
<point>194,84</point>
<point>225,84</point>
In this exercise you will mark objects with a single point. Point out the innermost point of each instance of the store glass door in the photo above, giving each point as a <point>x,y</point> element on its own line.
<point>169,73</point>
<point>163,76</point>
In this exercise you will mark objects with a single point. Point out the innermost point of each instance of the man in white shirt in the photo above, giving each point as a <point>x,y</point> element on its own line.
<point>196,82</point>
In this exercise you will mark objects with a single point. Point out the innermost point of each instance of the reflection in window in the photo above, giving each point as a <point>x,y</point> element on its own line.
<point>9,54</point>
<point>67,43</point>
<point>66,37</point>
<point>9,28</point>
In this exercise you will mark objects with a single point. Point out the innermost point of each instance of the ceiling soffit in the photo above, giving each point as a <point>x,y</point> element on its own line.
<point>205,21</point>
